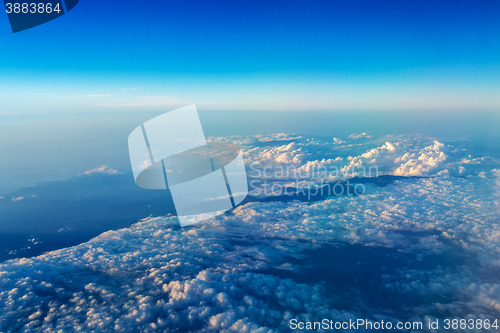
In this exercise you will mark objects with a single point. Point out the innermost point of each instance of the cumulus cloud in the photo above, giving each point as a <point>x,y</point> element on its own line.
<point>390,155</point>
<point>101,169</point>
<point>418,164</point>
<point>359,136</point>
<point>17,199</point>
<point>277,137</point>
<point>152,277</point>
<point>157,276</point>
<point>242,271</point>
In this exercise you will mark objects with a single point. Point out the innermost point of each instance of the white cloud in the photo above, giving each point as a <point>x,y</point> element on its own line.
<point>359,136</point>
<point>221,276</point>
<point>277,137</point>
<point>154,275</point>
<point>101,169</point>
<point>390,155</point>
<point>17,199</point>
<point>429,158</point>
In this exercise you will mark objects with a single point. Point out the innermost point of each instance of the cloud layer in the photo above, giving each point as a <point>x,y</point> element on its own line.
<point>436,241</point>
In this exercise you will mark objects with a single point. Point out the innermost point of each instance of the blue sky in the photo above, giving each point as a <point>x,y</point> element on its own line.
<point>256,55</point>
<point>70,92</point>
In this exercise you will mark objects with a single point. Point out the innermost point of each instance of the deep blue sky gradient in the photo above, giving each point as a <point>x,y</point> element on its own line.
<point>260,36</point>
<point>195,50</point>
